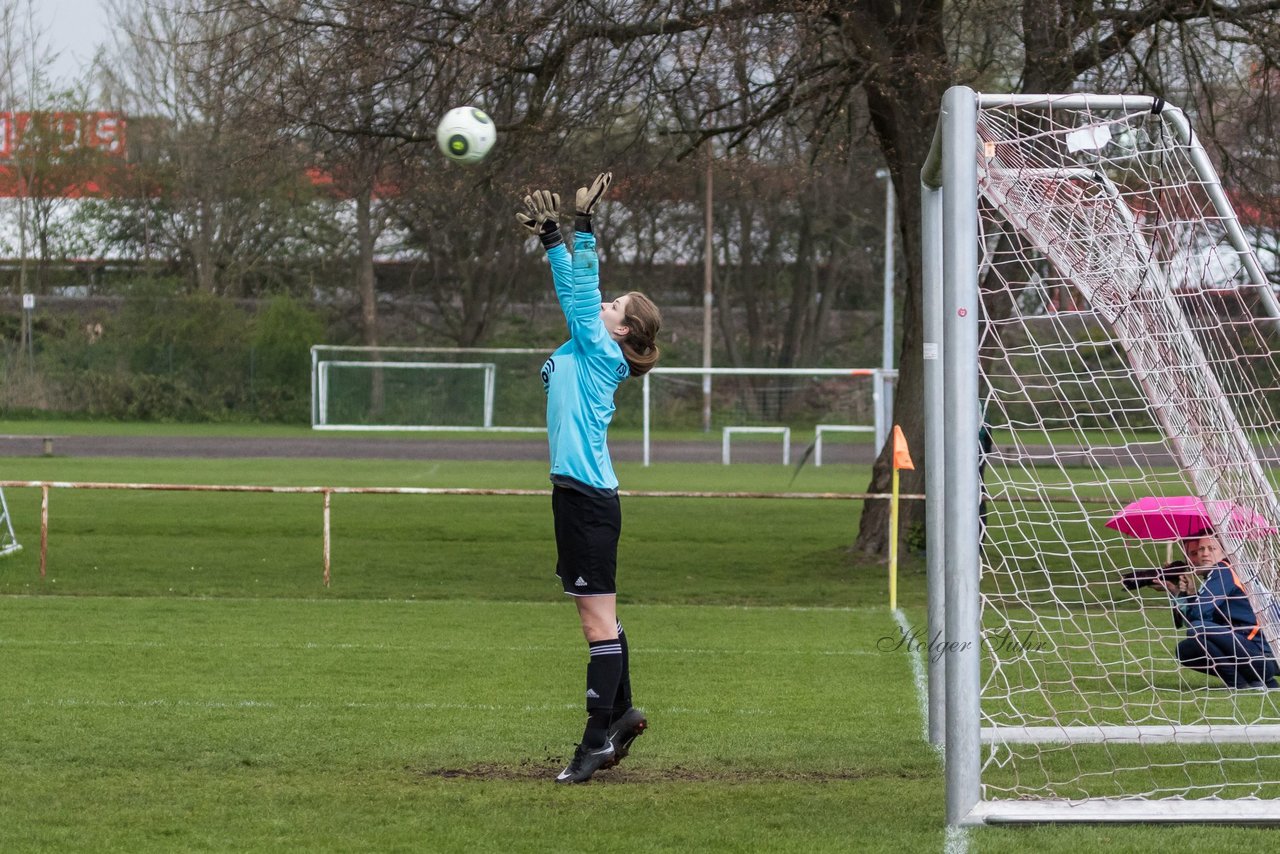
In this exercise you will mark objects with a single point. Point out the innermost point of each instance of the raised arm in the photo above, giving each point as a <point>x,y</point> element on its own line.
<point>584,316</point>
<point>541,217</point>
<point>585,323</point>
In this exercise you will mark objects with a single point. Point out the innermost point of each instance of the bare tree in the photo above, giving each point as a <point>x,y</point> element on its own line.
<point>197,196</point>
<point>341,78</point>
<point>748,72</point>
<point>46,162</point>
<point>200,195</point>
<point>819,60</point>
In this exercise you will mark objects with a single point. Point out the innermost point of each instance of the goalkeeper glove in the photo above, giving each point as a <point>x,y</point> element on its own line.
<point>541,216</point>
<point>586,198</point>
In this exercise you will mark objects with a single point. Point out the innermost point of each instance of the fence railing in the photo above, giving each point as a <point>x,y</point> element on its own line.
<point>328,491</point>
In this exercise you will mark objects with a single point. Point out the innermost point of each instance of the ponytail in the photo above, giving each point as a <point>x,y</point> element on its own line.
<point>643,321</point>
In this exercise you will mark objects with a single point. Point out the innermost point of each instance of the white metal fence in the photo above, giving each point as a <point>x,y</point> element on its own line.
<point>864,404</point>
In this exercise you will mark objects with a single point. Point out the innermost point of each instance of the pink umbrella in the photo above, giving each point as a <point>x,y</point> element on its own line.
<point>1180,516</point>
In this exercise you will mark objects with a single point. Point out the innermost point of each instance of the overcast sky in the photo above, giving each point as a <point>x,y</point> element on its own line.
<point>74,29</point>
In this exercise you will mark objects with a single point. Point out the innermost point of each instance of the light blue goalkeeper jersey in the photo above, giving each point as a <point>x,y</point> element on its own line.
<point>583,373</point>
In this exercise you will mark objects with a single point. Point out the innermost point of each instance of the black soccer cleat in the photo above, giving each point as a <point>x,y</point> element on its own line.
<point>625,730</point>
<point>586,762</point>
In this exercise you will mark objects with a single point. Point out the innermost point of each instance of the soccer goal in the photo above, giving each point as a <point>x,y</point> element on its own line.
<point>426,389</point>
<point>8,541</point>
<point>843,400</point>
<point>1092,301</point>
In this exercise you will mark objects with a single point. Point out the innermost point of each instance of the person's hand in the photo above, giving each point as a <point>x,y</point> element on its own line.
<point>1188,584</point>
<point>541,207</point>
<point>586,198</point>
<point>541,216</point>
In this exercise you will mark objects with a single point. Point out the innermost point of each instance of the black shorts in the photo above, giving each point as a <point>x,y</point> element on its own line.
<point>587,530</point>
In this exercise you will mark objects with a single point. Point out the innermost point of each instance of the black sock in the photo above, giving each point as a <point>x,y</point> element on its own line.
<point>622,700</point>
<point>603,671</point>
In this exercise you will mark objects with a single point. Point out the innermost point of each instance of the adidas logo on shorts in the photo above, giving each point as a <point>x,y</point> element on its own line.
<point>580,582</point>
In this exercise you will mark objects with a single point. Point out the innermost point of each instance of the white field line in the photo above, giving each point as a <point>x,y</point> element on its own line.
<point>918,673</point>
<point>166,703</point>
<point>381,647</point>
<point>549,603</point>
<point>957,841</point>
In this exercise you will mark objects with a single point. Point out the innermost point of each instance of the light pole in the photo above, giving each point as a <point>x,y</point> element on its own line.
<point>886,341</point>
<point>707,299</point>
<point>28,331</point>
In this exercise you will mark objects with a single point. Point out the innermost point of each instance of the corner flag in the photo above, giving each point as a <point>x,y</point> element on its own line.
<point>901,456</point>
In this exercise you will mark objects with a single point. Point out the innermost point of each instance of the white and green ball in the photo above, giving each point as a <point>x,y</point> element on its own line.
<point>466,134</point>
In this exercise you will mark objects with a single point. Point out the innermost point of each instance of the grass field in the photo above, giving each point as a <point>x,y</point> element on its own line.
<point>182,681</point>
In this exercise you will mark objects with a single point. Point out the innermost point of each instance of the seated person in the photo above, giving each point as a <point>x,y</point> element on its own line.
<point>1223,638</point>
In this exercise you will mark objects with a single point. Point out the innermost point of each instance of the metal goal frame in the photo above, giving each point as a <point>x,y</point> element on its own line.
<point>952,308</point>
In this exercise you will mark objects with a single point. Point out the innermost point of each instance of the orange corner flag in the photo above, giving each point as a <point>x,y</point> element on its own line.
<point>901,456</point>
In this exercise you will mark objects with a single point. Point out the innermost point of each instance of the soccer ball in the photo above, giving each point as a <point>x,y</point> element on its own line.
<point>466,134</point>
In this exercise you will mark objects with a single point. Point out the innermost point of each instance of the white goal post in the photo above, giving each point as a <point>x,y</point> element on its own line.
<point>1092,303</point>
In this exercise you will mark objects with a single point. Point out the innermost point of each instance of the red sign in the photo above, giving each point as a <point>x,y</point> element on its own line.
<point>99,131</point>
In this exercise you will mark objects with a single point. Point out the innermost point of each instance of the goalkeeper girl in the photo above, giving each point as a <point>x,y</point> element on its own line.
<point>609,341</point>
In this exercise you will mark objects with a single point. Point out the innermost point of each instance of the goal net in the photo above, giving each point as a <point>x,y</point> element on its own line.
<point>426,388</point>
<point>1104,321</point>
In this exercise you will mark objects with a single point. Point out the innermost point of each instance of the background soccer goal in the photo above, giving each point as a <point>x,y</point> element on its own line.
<point>1092,301</point>
<point>426,388</point>
<point>851,403</point>
<point>8,542</point>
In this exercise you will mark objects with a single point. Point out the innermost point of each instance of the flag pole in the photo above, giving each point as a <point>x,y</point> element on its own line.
<point>893,544</point>
<point>901,460</point>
